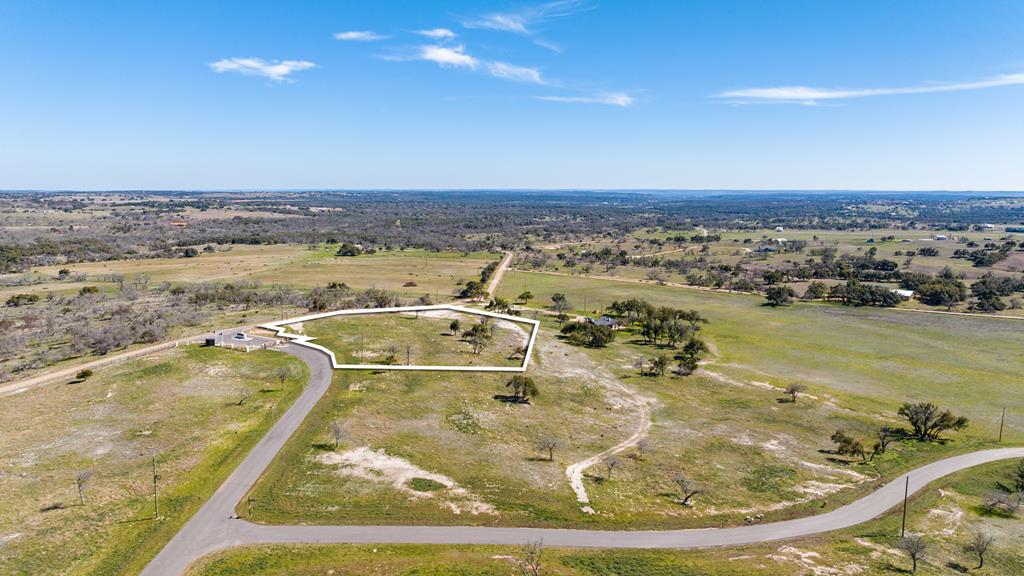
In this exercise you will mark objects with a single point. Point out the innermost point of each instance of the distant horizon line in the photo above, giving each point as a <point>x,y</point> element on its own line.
<point>484,189</point>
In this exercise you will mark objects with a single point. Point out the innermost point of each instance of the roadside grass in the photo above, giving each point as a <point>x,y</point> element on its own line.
<point>179,405</point>
<point>946,513</point>
<point>436,274</point>
<point>422,338</point>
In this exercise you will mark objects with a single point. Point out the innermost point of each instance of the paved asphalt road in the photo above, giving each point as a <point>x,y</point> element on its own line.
<point>213,528</point>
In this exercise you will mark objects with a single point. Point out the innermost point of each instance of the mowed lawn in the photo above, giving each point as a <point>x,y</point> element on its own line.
<point>180,406</point>
<point>875,359</point>
<point>436,274</point>
<point>414,338</point>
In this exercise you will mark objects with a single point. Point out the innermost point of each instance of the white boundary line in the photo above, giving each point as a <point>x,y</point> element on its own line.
<point>281,329</point>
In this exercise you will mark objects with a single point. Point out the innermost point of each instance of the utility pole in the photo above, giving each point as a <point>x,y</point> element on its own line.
<point>156,506</point>
<point>248,503</point>
<point>906,493</point>
<point>1002,420</point>
<point>408,354</point>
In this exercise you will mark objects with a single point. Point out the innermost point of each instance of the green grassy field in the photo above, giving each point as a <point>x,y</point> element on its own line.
<point>873,359</point>
<point>946,513</point>
<point>725,427</point>
<point>416,338</point>
<point>179,405</point>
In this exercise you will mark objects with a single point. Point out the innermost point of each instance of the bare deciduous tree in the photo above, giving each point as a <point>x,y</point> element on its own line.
<point>282,374</point>
<point>914,546</point>
<point>337,431</point>
<point>548,444</point>
<point>980,542</point>
<point>243,395</point>
<point>530,558</point>
<point>794,390</point>
<point>687,488</point>
<point>82,480</point>
<point>610,462</point>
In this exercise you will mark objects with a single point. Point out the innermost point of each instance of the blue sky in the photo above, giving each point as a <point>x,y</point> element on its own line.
<point>567,94</point>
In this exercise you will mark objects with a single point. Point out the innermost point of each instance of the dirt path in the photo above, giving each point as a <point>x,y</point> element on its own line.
<point>499,273</point>
<point>69,373</point>
<point>563,360</point>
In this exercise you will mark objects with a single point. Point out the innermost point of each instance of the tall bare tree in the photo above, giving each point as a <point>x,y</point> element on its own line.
<point>979,544</point>
<point>610,462</point>
<point>82,480</point>
<point>794,390</point>
<point>530,558</point>
<point>548,444</point>
<point>337,432</point>
<point>687,488</point>
<point>914,546</point>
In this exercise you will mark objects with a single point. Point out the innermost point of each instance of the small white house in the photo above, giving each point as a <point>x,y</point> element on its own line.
<point>613,323</point>
<point>779,229</point>
<point>941,237</point>
<point>905,294</point>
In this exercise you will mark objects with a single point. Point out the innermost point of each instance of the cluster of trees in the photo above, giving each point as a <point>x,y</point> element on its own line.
<point>588,334</point>
<point>943,289</point>
<point>988,255</point>
<point>477,289</point>
<point>989,291</point>
<point>856,293</point>
<point>927,424</point>
<point>658,324</point>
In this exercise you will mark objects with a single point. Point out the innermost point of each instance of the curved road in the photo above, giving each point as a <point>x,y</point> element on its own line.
<point>213,527</point>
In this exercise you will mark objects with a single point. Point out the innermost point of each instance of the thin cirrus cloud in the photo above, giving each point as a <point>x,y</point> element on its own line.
<point>359,36</point>
<point>620,99</point>
<point>447,56</point>
<point>457,57</point>
<point>277,70</point>
<point>524,21</point>
<point>810,96</point>
<point>437,33</point>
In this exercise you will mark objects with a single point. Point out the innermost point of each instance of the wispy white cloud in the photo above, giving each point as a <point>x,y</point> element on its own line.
<point>359,36</point>
<point>607,98</point>
<point>524,21</point>
<point>515,73</point>
<point>448,56</point>
<point>809,95</point>
<point>278,70</point>
<point>437,33</point>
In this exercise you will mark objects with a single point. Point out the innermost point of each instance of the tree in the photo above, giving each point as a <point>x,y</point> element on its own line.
<point>529,561</point>
<point>82,480</point>
<point>794,390</point>
<point>348,249</point>
<point>243,395</point>
<point>689,359</point>
<point>816,291</point>
<point>1017,477</point>
<point>282,374</point>
<point>979,544</point>
<point>190,252</point>
<point>588,334</point>
<point>83,374</point>
<point>454,326</point>
<point>337,432</point>
<point>659,364</point>
<point>479,336</point>
<point>525,297</point>
<point>928,422</point>
<point>687,488</point>
<point>610,462</point>
<point>847,445</point>
<point>548,444</point>
<point>914,547</point>
<point>522,388</point>
<point>640,366</point>
<point>884,436</point>
<point>474,289</point>
<point>779,295</point>
<point>560,304</point>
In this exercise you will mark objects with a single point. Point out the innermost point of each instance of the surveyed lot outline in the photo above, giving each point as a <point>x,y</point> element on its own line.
<point>281,329</point>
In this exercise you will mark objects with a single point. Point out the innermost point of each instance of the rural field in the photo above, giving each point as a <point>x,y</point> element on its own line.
<point>435,448</point>
<point>405,271</point>
<point>196,410</point>
<point>425,338</point>
<point>951,511</point>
